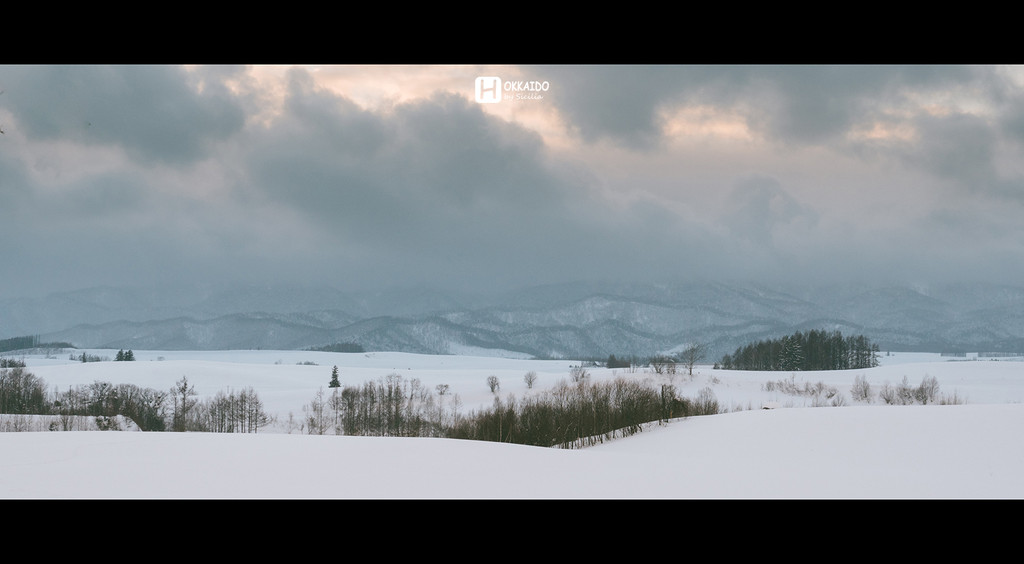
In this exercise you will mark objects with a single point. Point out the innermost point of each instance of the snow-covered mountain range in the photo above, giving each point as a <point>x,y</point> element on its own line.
<point>589,320</point>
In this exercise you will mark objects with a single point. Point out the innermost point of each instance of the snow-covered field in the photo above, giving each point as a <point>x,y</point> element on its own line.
<point>796,450</point>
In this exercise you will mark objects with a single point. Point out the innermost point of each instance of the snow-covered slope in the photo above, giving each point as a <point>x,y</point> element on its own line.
<point>859,450</point>
<point>948,452</point>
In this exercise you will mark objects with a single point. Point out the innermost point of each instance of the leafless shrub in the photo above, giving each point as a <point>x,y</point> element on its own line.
<point>790,387</point>
<point>951,400</point>
<point>578,373</point>
<point>905,394</point>
<point>861,390</point>
<point>927,391</point>
<point>706,403</point>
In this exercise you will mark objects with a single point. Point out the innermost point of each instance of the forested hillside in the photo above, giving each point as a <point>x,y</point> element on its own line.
<point>564,321</point>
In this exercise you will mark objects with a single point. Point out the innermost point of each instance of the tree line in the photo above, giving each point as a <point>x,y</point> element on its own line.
<point>581,413</point>
<point>174,409</point>
<point>339,347</point>
<point>813,350</point>
<point>29,342</point>
<point>571,414</point>
<point>689,356</point>
<point>387,407</point>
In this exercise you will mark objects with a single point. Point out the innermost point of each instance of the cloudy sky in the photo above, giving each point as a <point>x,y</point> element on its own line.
<point>366,176</point>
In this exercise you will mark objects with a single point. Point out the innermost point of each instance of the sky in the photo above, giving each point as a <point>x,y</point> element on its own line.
<point>368,176</point>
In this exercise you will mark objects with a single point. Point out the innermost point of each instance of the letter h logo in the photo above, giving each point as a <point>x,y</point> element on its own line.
<point>488,89</point>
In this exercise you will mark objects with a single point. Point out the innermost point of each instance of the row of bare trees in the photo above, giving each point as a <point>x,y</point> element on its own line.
<point>691,355</point>
<point>232,411</point>
<point>176,409</point>
<point>571,414</point>
<point>580,413</point>
<point>144,406</point>
<point>391,406</point>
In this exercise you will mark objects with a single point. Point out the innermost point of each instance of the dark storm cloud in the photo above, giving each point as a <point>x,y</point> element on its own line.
<point>153,112</point>
<point>924,138</point>
<point>958,148</point>
<point>1013,119</point>
<point>87,171</point>
<point>433,187</point>
<point>791,103</point>
<point>810,104</point>
<point>619,102</point>
<point>428,190</point>
<point>418,162</point>
<point>126,174</point>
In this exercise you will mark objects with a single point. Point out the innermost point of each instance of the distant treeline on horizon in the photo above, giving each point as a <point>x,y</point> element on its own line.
<point>30,342</point>
<point>340,347</point>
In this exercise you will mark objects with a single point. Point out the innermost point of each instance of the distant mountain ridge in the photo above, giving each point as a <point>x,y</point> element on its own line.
<point>590,320</point>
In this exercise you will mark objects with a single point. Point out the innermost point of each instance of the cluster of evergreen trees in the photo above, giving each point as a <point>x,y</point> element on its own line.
<point>11,363</point>
<point>18,343</point>
<point>813,350</point>
<point>613,362</point>
<point>29,342</point>
<point>339,347</point>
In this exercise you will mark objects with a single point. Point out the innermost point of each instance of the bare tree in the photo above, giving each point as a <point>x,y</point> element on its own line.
<point>693,354</point>
<point>530,378</point>
<point>493,383</point>
<point>316,414</point>
<point>337,405</point>
<point>663,365</point>
<point>184,395</point>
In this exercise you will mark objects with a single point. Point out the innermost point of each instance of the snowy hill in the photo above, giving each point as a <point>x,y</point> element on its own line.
<point>855,450</point>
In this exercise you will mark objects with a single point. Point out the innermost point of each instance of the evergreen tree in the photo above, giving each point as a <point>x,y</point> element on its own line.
<point>617,363</point>
<point>792,354</point>
<point>335,383</point>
